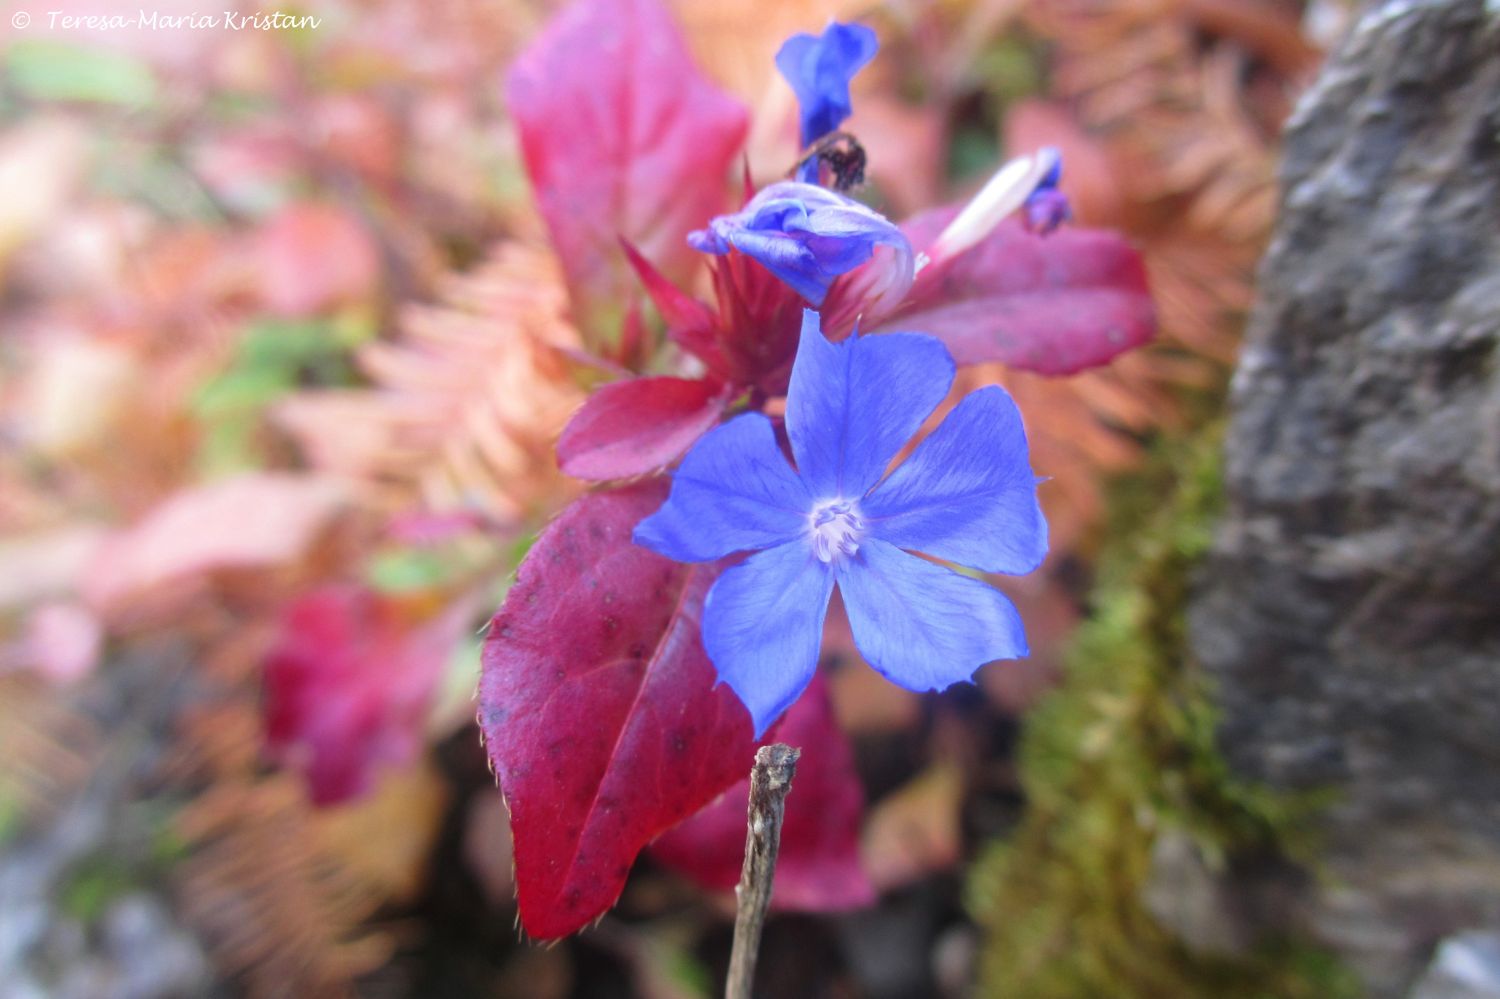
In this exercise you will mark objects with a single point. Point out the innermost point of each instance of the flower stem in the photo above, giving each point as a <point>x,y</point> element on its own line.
<point>770,780</point>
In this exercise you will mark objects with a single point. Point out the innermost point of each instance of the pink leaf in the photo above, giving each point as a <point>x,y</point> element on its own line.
<point>423,528</point>
<point>348,685</point>
<point>622,137</point>
<point>1050,304</point>
<point>47,565</point>
<point>248,522</point>
<point>62,642</point>
<point>634,427</point>
<point>311,256</point>
<point>599,709</point>
<point>818,869</point>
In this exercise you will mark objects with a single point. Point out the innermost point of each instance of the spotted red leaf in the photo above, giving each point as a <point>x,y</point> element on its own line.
<point>638,426</point>
<point>1051,304</point>
<point>818,869</point>
<point>599,709</point>
<point>622,137</point>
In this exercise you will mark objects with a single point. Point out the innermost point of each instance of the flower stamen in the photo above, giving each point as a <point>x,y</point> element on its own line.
<point>836,529</point>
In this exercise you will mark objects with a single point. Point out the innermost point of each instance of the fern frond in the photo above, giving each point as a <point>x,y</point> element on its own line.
<point>48,748</point>
<point>274,908</point>
<point>466,404</point>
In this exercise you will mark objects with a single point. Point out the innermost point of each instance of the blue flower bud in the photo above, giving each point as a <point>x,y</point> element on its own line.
<point>804,234</point>
<point>819,70</point>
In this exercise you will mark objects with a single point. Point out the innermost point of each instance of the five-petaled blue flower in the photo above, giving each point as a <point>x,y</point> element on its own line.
<point>804,234</point>
<point>819,69</point>
<point>966,495</point>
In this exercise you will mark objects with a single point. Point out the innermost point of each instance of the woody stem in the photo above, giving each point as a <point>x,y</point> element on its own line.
<point>770,780</point>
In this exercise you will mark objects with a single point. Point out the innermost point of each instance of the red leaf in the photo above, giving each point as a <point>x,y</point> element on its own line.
<point>818,869</point>
<point>760,317</point>
<point>690,323</point>
<point>1050,304</point>
<point>638,426</point>
<point>599,709</point>
<point>622,137</point>
<point>348,686</point>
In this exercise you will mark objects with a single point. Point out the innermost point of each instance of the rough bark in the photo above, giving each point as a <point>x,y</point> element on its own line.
<point>1350,612</point>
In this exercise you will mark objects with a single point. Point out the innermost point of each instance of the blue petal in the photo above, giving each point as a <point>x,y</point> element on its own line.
<point>819,70</point>
<point>733,492</point>
<point>1053,176</point>
<point>708,240</point>
<point>763,626</point>
<point>789,259</point>
<point>1046,207</point>
<point>852,405</point>
<point>805,235</point>
<point>920,625</point>
<point>967,493</point>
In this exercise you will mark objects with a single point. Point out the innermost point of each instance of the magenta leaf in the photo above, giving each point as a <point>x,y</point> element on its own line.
<point>598,707</point>
<point>1051,304</point>
<point>691,324</point>
<point>622,137</point>
<point>638,426</point>
<point>348,684</point>
<point>760,317</point>
<point>818,869</point>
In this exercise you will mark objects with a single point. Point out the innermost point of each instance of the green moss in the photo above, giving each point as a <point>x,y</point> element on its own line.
<point>1123,751</point>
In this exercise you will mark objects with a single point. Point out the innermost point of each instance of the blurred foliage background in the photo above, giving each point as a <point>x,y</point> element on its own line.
<point>280,335</point>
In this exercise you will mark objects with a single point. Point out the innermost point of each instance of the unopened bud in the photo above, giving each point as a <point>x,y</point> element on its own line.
<point>1006,192</point>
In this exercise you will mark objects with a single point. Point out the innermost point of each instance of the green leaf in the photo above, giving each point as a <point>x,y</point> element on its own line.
<point>58,71</point>
<point>240,389</point>
<point>408,570</point>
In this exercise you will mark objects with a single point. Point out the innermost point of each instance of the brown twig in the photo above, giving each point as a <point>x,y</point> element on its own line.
<point>770,780</point>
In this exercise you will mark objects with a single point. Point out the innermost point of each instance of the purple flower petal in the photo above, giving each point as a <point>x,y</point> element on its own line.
<point>1046,207</point>
<point>967,493</point>
<point>819,69</point>
<point>920,625</point>
<point>852,405</point>
<point>763,626</point>
<point>733,492</point>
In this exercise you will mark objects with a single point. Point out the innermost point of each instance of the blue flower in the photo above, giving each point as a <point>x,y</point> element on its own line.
<point>819,70</point>
<point>1046,207</point>
<point>805,235</point>
<point>966,495</point>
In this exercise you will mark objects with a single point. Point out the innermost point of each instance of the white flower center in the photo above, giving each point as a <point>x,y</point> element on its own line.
<point>835,528</point>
